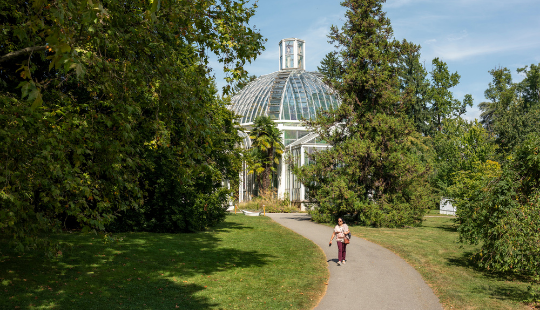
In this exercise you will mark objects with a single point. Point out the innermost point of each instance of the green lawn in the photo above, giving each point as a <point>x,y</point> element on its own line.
<point>244,263</point>
<point>444,265</point>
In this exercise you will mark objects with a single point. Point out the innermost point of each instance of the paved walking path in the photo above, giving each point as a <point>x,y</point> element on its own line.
<point>373,278</point>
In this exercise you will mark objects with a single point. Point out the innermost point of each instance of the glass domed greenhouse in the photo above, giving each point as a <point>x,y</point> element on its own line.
<point>288,97</point>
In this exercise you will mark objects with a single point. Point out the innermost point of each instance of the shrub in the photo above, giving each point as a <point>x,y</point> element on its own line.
<point>271,202</point>
<point>503,214</point>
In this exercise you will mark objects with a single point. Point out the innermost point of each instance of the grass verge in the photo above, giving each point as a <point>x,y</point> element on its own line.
<point>443,263</point>
<point>244,263</point>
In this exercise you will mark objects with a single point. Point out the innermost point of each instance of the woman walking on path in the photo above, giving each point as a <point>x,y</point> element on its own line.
<point>340,230</point>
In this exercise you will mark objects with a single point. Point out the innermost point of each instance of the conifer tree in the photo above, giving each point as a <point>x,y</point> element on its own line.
<point>414,78</point>
<point>330,66</point>
<point>378,165</point>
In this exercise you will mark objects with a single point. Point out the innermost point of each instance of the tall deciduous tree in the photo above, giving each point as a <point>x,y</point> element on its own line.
<point>112,92</point>
<point>460,146</point>
<point>501,211</point>
<point>513,111</point>
<point>443,103</point>
<point>378,166</point>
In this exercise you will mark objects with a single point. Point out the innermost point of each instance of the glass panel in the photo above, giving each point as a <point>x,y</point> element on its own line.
<point>285,115</point>
<point>289,47</point>
<point>311,141</point>
<point>300,48</point>
<point>291,134</point>
<point>302,134</point>
<point>291,102</point>
<point>300,61</point>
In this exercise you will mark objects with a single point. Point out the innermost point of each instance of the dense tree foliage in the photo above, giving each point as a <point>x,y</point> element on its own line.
<point>266,151</point>
<point>432,108</point>
<point>498,205</point>
<point>378,166</point>
<point>118,111</point>
<point>513,111</point>
<point>331,67</point>
<point>414,80</point>
<point>500,209</point>
<point>443,103</point>
<point>459,148</point>
<point>432,98</point>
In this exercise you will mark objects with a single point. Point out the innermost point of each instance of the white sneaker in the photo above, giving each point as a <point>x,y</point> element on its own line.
<point>339,263</point>
<point>343,262</point>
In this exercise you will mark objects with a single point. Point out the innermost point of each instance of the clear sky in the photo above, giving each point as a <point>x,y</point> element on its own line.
<point>471,36</point>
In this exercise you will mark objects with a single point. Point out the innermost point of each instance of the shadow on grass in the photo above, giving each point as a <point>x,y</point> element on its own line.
<point>502,291</point>
<point>464,261</point>
<point>144,271</point>
<point>448,228</point>
<point>500,287</point>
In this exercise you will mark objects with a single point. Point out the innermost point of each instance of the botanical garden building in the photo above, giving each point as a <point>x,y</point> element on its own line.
<point>288,97</point>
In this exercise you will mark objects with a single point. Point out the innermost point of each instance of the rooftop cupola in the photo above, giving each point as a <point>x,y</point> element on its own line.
<point>292,54</point>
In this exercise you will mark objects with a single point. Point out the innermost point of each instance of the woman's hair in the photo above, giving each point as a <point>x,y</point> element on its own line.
<point>339,218</point>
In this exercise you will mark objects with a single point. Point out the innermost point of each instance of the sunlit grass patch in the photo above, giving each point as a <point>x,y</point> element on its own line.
<point>444,264</point>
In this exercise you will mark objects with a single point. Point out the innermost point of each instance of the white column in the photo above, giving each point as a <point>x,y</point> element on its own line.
<point>304,56</point>
<point>281,55</point>
<point>302,188</point>
<point>295,53</point>
<point>281,167</point>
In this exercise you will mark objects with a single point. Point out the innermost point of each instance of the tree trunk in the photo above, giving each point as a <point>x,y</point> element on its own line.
<point>24,51</point>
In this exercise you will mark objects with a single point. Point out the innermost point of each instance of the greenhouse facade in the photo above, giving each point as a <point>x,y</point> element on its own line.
<point>288,96</point>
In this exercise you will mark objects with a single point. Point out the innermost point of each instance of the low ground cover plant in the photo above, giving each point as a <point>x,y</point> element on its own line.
<point>244,263</point>
<point>270,202</point>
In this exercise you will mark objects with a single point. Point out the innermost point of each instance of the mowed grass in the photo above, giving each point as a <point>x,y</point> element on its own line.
<point>444,264</point>
<point>244,263</point>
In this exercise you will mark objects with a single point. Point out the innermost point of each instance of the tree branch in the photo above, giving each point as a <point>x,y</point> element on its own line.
<point>24,51</point>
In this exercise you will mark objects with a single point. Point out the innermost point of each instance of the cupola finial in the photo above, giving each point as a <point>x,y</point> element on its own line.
<point>292,54</point>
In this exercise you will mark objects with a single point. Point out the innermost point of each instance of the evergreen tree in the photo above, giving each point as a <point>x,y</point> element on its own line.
<point>331,66</point>
<point>378,165</point>
<point>414,78</point>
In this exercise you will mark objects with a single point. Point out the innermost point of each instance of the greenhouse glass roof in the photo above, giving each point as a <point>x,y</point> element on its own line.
<point>285,95</point>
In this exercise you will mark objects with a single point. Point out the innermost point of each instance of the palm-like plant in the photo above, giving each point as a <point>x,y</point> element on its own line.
<point>266,151</point>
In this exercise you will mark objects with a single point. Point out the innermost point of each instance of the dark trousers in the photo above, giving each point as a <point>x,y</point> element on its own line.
<point>342,250</point>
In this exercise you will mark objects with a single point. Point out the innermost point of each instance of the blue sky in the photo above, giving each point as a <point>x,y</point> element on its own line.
<point>471,36</point>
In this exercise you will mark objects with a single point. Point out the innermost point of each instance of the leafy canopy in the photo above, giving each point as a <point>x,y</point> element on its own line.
<point>98,97</point>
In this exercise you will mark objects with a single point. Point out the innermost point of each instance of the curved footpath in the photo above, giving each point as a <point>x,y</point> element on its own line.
<point>372,278</point>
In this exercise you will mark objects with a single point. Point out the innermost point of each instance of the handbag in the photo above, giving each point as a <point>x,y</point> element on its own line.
<point>346,237</point>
